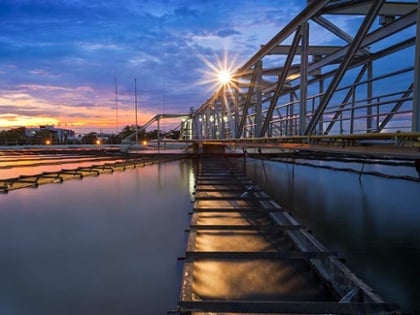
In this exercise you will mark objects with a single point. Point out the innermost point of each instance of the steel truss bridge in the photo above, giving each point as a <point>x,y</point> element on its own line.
<point>359,90</point>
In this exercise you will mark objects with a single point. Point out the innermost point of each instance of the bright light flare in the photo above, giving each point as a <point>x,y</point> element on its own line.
<point>224,77</point>
<point>219,74</point>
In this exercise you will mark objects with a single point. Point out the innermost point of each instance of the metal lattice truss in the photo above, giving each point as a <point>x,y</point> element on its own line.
<point>340,67</point>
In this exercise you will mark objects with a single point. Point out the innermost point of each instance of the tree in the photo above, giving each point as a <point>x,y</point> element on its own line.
<point>90,138</point>
<point>46,136</point>
<point>128,130</point>
<point>154,134</point>
<point>114,139</point>
<point>14,136</point>
<point>174,134</point>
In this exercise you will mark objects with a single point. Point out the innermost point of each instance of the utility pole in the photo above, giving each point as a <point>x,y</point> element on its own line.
<point>116,103</point>
<point>135,97</point>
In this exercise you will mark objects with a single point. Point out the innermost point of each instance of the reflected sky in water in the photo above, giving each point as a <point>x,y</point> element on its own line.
<point>374,223</point>
<point>101,245</point>
<point>12,166</point>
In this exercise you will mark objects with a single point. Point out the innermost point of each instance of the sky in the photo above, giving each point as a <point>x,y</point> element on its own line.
<point>61,61</point>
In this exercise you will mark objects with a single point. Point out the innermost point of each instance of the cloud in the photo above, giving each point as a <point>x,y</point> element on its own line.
<point>227,32</point>
<point>63,55</point>
<point>184,12</point>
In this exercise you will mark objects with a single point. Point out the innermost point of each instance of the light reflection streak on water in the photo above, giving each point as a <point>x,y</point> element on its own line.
<point>191,181</point>
<point>228,241</point>
<point>255,279</point>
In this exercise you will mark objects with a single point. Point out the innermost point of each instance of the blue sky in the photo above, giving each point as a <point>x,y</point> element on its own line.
<point>59,58</point>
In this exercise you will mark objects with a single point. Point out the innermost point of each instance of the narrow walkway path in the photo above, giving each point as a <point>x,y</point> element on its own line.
<point>245,255</point>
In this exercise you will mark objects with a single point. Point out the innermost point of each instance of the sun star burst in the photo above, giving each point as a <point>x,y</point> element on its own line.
<point>220,74</point>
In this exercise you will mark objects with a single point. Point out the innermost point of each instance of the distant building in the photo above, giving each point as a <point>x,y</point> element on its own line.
<point>62,135</point>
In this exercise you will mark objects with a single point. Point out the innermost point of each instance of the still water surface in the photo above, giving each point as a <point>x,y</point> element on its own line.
<point>108,244</point>
<point>101,245</point>
<point>373,222</point>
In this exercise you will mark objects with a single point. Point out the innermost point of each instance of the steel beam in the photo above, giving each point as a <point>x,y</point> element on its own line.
<point>303,78</point>
<point>359,62</point>
<point>395,108</point>
<point>245,108</point>
<point>362,7</point>
<point>286,307</point>
<point>311,51</point>
<point>371,38</point>
<point>345,100</point>
<point>311,10</point>
<point>354,46</point>
<point>241,209</point>
<point>369,119</point>
<point>383,32</point>
<point>337,31</point>
<point>258,96</point>
<point>416,96</point>
<point>260,228</point>
<point>236,111</point>
<point>269,255</point>
<point>281,81</point>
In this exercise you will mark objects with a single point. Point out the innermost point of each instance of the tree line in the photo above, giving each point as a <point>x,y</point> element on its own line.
<point>21,136</point>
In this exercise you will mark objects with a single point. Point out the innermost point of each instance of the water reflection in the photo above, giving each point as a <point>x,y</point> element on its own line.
<point>373,222</point>
<point>256,280</point>
<point>105,245</point>
<point>14,170</point>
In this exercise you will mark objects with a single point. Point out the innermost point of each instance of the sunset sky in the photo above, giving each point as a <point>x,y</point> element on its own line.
<point>59,59</point>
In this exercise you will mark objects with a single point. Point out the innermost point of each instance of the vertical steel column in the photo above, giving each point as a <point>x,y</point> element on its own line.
<point>135,104</point>
<point>209,124</point>
<point>219,117</point>
<point>321,91</point>
<point>229,121</point>
<point>224,107</point>
<point>288,115</point>
<point>200,126</point>
<point>303,78</point>
<point>158,132</point>
<point>258,94</point>
<point>231,118</point>
<point>369,118</point>
<point>353,105</point>
<point>207,133</point>
<point>213,120</point>
<point>195,130</point>
<point>416,89</point>
<point>236,111</point>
